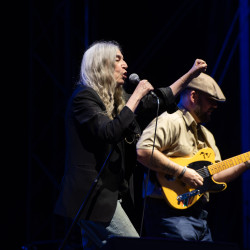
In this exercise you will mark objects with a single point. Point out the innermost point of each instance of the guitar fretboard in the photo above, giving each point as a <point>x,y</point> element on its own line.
<point>218,167</point>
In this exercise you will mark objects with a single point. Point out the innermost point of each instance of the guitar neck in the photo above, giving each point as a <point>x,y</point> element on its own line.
<point>218,167</point>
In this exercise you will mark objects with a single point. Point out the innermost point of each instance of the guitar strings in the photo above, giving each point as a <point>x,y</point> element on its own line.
<point>202,172</point>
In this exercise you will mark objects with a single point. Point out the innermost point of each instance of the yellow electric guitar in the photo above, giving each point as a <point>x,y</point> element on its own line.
<point>180,195</point>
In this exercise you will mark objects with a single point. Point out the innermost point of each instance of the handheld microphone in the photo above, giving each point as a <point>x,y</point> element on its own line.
<point>134,79</point>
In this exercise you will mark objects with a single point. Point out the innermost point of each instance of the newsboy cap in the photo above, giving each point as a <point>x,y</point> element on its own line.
<point>207,84</point>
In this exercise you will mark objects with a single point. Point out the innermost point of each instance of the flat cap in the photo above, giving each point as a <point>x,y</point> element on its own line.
<point>207,84</point>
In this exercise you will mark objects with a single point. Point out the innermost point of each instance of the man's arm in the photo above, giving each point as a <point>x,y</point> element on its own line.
<point>161,163</point>
<point>232,173</point>
<point>179,85</point>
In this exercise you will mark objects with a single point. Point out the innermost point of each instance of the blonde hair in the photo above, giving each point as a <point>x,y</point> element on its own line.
<point>97,72</point>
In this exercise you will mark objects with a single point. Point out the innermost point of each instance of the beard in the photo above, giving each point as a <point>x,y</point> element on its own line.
<point>204,116</point>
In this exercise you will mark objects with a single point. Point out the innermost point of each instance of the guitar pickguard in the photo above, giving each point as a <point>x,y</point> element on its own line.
<point>209,185</point>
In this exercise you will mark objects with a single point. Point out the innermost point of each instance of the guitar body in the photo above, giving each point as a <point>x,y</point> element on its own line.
<point>176,188</point>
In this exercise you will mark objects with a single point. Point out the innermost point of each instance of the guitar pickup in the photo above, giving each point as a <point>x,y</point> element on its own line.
<point>187,195</point>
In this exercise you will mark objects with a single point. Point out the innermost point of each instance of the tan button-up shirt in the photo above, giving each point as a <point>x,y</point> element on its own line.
<point>177,135</point>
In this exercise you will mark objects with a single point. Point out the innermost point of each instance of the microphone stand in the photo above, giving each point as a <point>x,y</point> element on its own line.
<point>85,201</point>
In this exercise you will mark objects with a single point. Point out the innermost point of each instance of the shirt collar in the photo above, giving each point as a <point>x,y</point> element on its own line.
<point>188,118</point>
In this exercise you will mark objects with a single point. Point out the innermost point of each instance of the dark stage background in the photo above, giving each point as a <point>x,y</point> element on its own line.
<point>160,40</point>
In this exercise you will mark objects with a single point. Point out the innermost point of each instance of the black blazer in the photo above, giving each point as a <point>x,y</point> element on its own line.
<point>90,137</point>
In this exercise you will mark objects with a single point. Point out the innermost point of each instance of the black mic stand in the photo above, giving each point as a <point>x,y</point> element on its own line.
<point>85,201</point>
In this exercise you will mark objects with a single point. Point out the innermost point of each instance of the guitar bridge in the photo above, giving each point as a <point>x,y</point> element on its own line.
<point>185,198</point>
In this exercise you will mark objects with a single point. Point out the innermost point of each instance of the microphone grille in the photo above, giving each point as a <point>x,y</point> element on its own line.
<point>134,78</point>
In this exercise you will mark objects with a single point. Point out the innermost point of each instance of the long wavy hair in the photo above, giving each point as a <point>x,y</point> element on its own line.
<point>97,72</point>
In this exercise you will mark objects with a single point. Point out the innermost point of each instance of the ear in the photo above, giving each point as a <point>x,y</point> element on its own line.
<point>193,97</point>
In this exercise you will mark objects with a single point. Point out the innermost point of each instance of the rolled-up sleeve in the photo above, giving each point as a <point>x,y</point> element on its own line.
<point>167,96</point>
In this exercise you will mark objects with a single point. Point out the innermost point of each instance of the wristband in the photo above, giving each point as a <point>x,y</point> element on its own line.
<point>182,172</point>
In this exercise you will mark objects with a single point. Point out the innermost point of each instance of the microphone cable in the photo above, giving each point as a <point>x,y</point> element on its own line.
<point>145,183</point>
